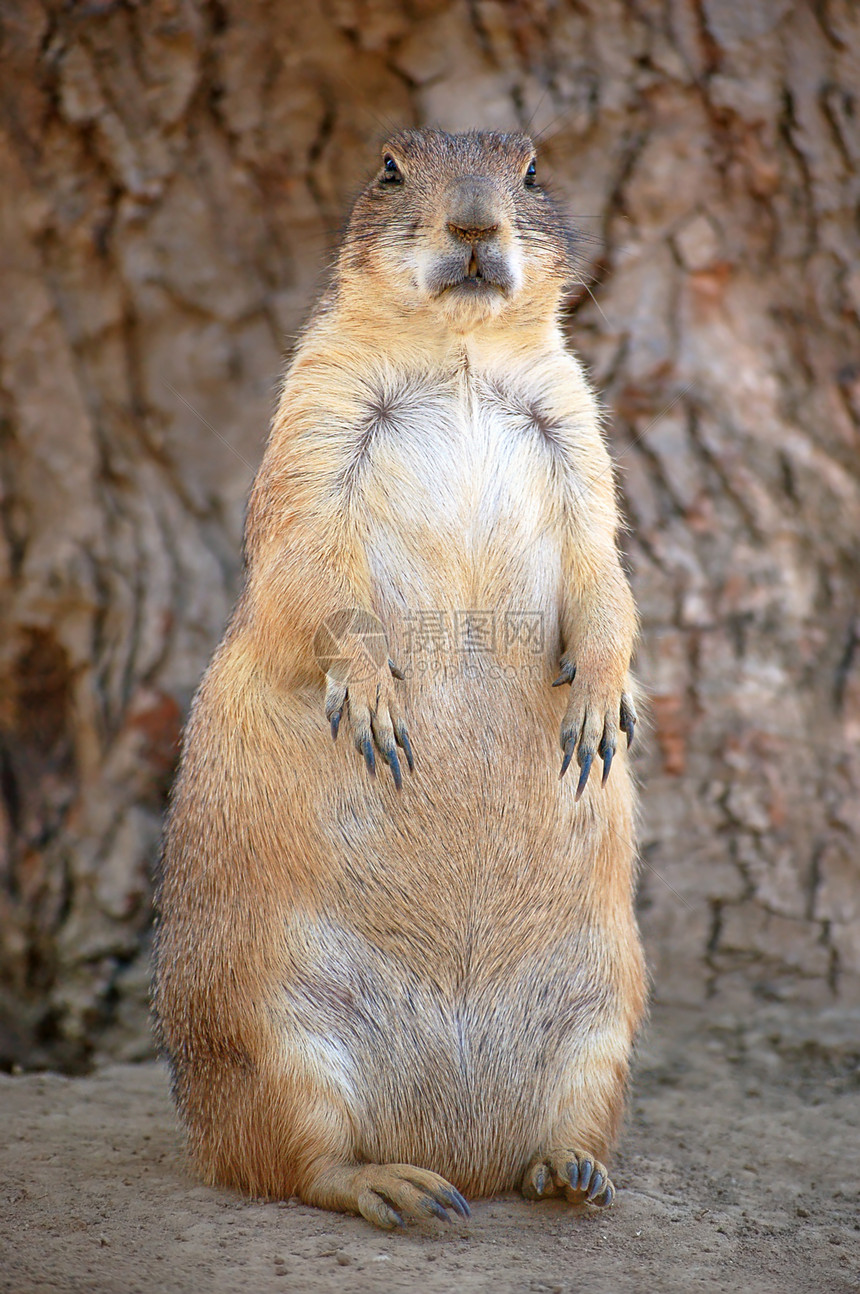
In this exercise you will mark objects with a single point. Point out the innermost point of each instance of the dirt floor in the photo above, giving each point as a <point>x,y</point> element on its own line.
<point>740,1171</point>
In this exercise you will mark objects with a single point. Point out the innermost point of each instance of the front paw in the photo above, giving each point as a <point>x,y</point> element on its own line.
<point>352,651</point>
<point>591,722</point>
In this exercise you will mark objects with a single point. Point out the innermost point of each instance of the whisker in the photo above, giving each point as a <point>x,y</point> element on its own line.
<point>528,126</point>
<point>600,310</point>
<point>541,137</point>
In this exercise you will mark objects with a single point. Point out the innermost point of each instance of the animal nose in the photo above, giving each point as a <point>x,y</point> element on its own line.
<point>473,213</point>
<point>470,234</point>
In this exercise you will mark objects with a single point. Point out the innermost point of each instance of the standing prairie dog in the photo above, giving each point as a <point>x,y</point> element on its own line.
<point>380,991</point>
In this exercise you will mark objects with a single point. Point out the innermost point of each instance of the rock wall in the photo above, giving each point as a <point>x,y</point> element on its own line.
<point>172,177</point>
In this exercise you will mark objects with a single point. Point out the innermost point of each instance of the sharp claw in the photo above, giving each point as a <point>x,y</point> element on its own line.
<point>573,1174</point>
<point>403,740</point>
<point>437,1208</point>
<point>369,757</point>
<point>586,758</point>
<point>628,723</point>
<point>607,762</point>
<point>597,1183</point>
<point>568,756</point>
<point>398,673</point>
<point>585,1174</point>
<point>394,765</point>
<point>567,675</point>
<point>608,1196</point>
<point>540,1180</point>
<point>458,1203</point>
<point>335,724</point>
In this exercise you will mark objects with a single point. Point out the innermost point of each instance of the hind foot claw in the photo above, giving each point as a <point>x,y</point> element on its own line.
<point>576,1174</point>
<point>389,1195</point>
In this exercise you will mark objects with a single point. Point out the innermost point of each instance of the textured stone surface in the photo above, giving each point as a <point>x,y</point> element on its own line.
<point>172,177</point>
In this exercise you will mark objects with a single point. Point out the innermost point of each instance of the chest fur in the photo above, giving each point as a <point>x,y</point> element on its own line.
<point>457,485</point>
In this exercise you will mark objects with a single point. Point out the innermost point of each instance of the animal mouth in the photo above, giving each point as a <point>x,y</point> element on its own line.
<point>475,278</point>
<point>479,273</point>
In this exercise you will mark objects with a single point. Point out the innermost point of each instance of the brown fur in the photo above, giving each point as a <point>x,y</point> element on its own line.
<point>362,991</point>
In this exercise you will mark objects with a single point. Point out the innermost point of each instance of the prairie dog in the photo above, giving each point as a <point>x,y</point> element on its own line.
<point>379,990</point>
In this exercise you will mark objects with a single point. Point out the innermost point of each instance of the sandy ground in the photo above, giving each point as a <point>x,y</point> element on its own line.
<point>740,1170</point>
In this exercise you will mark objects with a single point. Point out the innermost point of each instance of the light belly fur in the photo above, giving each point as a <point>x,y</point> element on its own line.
<point>432,1074</point>
<point>466,521</point>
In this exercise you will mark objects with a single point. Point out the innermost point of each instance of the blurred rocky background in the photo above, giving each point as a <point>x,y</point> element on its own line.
<point>172,178</point>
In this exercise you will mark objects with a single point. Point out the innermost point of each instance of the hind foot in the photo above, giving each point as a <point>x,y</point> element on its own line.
<point>389,1195</point>
<point>576,1174</point>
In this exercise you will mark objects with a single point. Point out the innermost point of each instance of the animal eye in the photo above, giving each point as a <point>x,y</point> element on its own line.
<point>391,173</point>
<point>529,177</point>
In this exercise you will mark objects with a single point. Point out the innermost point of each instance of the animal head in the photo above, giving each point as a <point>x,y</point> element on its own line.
<point>462,226</point>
